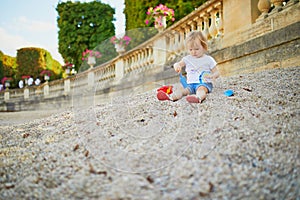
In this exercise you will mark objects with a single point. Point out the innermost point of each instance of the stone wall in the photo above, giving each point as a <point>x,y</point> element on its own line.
<point>279,48</point>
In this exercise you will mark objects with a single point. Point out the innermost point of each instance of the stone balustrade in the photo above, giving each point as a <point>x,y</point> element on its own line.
<point>224,23</point>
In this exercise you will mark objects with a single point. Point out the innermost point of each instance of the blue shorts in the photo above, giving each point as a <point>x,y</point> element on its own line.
<point>192,87</point>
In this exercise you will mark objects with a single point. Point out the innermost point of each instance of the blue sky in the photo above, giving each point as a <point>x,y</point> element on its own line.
<point>32,23</point>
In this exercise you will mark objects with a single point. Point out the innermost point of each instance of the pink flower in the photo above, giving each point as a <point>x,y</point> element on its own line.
<point>89,53</point>
<point>68,65</point>
<point>46,72</point>
<point>125,39</point>
<point>4,79</point>
<point>159,11</point>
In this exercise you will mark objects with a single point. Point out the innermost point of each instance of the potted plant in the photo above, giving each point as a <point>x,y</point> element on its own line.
<point>25,77</point>
<point>6,81</point>
<point>68,66</point>
<point>120,42</point>
<point>46,74</point>
<point>90,56</point>
<point>159,15</point>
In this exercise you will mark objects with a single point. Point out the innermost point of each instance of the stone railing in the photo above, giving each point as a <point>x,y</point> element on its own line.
<point>224,25</point>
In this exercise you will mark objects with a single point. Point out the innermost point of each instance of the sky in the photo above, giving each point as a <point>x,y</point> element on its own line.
<point>32,23</point>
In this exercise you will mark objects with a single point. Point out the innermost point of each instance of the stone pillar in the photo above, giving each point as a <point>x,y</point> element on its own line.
<point>91,78</point>
<point>160,51</point>
<point>237,13</point>
<point>237,16</point>
<point>119,69</point>
<point>67,86</point>
<point>26,93</point>
<point>46,89</point>
<point>6,95</point>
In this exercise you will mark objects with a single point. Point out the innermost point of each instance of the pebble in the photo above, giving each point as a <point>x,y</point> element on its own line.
<point>243,147</point>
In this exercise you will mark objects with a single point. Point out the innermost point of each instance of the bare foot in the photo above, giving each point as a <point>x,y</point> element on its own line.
<point>193,99</point>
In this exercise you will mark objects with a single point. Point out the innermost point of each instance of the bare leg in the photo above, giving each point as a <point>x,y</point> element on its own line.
<point>201,93</point>
<point>199,96</point>
<point>179,92</point>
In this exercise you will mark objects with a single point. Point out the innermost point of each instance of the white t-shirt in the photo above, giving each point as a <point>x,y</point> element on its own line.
<point>194,67</point>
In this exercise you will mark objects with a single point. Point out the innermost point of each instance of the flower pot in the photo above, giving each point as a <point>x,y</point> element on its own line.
<point>91,61</point>
<point>160,23</point>
<point>67,71</point>
<point>46,77</point>
<point>7,84</point>
<point>120,48</point>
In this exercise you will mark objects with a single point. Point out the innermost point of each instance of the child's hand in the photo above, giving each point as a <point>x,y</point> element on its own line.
<point>177,67</point>
<point>211,77</point>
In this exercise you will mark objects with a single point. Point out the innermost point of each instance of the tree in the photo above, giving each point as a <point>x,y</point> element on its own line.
<point>8,67</point>
<point>32,61</point>
<point>82,26</point>
<point>1,65</point>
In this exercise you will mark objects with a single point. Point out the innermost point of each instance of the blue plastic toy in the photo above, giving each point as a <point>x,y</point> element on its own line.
<point>229,93</point>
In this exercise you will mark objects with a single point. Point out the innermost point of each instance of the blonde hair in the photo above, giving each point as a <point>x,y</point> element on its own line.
<point>194,37</point>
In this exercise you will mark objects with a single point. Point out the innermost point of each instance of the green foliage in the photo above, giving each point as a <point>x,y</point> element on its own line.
<point>32,61</point>
<point>140,35</point>
<point>29,61</point>
<point>7,67</point>
<point>83,26</point>
<point>1,65</point>
<point>135,11</point>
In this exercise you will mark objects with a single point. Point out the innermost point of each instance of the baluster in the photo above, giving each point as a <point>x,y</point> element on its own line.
<point>169,45</point>
<point>129,63</point>
<point>176,41</point>
<point>187,30</point>
<point>126,64</point>
<point>139,62</point>
<point>133,62</point>
<point>192,24</point>
<point>206,25</point>
<point>278,5</point>
<point>220,19</point>
<point>143,58</point>
<point>264,7</point>
<point>181,44</point>
<point>172,42</point>
<point>213,29</point>
<point>151,58</point>
<point>112,70</point>
<point>200,24</point>
<point>147,62</point>
<point>136,59</point>
<point>147,57</point>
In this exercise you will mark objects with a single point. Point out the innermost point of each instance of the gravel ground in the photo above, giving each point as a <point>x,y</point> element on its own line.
<point>20,117</point>
<point>135,147</point>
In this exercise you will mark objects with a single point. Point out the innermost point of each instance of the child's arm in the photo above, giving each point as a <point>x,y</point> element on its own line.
<point>178,66</point>
<point>214,73</point>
